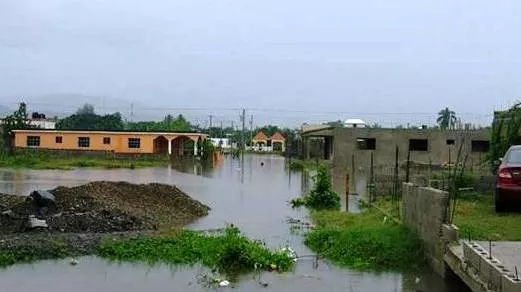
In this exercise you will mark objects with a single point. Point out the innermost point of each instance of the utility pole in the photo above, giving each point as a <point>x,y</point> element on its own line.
<point>251,129</point>
<point>210,128</point>
<point>243,118</point>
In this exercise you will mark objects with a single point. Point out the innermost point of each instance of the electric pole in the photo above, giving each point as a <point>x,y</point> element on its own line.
<point>243,119</point>
<point>210,128</point>
<point>251,129</point>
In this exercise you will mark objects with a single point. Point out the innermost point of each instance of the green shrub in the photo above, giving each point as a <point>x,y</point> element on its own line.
<point>322,196</point>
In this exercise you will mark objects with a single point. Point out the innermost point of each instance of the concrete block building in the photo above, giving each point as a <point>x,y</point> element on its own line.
<point>349,150</point>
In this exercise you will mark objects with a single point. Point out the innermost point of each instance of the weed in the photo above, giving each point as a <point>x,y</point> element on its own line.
<point>363,241</point>
<point>230,252</point>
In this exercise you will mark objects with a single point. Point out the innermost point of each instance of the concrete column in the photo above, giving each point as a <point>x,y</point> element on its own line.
<point>169,146</point>
<point>195,148</point>
<point>181,148</point>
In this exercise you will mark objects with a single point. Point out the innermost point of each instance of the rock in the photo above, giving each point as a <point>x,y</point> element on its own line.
<point>43,198</point>
<point>8,213</point>
<point>263,284</point>
<point>224,283</point>
<point>37,223</point>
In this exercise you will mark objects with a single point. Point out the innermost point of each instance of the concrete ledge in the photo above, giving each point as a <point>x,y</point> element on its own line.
<point>489,269</point>
<point>454,258</point>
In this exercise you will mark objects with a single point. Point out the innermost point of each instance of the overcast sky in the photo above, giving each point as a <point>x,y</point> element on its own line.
<point>362,58</point>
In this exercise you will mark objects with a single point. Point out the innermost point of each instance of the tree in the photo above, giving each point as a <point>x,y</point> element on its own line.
<point>447,119</point>
<point>86,119</point>
<point>86,109</point>
<point>336,124</point>
<point>17,121</point>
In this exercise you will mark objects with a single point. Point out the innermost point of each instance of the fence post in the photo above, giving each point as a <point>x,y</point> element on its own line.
<point>408,167</point>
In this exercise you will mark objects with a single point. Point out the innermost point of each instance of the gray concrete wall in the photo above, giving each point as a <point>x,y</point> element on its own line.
<point>424,212</point>
<point>345,146</point>
<point>345,150</point>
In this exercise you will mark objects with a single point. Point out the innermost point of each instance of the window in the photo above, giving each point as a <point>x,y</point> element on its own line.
<point>514,155</point>
<point>83,142</point>
<point>366,143</point>
<point>33,141</point>
<point>134,143</point>
<point>418,145</point>
<point>58,139</point>
<point>106,140</point>
<point>451,142</point>
<point>480,146</point>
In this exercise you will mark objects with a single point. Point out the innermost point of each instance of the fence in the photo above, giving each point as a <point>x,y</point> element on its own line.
<point>386,180</point>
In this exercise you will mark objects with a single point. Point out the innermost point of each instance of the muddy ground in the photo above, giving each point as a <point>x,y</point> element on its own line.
<point>102,207</point>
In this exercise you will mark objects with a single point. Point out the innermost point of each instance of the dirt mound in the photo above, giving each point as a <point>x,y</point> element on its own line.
<point>104,207</point>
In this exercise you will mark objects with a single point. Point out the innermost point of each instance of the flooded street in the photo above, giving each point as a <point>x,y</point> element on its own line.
<point>253,197</point>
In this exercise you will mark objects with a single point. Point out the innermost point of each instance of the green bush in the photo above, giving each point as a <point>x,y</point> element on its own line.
<point>322,196</point>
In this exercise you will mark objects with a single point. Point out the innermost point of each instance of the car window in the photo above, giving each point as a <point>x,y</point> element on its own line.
<point>514,156</point>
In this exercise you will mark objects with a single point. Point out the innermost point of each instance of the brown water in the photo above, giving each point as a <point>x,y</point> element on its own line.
<point>253,197</point>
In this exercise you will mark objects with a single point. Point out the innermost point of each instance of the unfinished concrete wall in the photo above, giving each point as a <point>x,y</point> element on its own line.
<point>349,159</point>
<point>386,140</point>
<point>424,212</point>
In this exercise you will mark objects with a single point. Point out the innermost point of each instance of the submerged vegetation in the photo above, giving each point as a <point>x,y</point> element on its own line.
<point>365,241</point>
<point>229,253</point>
<point>298,164</point>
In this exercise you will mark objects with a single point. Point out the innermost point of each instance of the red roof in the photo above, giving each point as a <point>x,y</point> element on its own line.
<point>260,137</point>
<point>277,137</point>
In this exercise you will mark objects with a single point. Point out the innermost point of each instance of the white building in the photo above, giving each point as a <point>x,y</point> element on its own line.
<point>354,123</point>
<point>223,143</point>
<point>43,124</point>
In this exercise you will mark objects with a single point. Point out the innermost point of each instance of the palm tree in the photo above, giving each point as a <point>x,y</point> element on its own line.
<point>447,119</point>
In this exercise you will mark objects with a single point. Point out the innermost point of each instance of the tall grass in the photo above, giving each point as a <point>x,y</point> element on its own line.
<point>365,242</point>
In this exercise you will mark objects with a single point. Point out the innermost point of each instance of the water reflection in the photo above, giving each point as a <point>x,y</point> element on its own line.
<point>239,191</point>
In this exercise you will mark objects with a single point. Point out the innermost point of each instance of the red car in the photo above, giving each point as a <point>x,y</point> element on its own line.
<point>508,180</point>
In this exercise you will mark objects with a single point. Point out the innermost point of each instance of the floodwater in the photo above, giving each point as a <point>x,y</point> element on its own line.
<point>252,197</point>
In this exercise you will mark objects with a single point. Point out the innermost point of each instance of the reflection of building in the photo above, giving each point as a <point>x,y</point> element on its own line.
<point>262,143</point>
<point>177,144</point>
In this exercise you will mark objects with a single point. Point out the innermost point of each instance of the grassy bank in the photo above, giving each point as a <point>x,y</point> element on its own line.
<point>476,215</point>
<point>229,253</point>
<point>51,161</point>
<point>364,241</point>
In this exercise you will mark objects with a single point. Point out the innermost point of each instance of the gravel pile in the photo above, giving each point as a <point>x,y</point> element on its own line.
<point>103,207</point>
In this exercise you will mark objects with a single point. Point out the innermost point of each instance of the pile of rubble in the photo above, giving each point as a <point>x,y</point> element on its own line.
<point>99,207</point>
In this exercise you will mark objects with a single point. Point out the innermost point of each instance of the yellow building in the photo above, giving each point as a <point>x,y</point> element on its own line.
<point>177,144</point>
